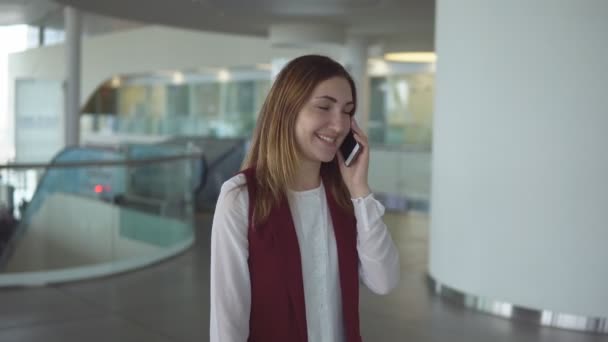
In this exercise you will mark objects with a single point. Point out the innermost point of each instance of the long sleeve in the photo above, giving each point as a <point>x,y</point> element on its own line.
<point>378,256</point>
<point>230,282</point>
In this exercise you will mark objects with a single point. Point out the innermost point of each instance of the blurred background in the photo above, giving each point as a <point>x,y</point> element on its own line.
<point>119,122</point>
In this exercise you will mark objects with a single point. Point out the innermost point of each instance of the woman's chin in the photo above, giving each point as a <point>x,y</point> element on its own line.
<point>327,158</point>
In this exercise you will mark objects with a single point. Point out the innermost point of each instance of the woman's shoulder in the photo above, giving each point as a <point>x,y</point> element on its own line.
<point>231,211</point>
<point>236,181</point>
<point>234,191</point>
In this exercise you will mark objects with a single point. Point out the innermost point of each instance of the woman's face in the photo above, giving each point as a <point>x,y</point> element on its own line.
<point>324,120</point>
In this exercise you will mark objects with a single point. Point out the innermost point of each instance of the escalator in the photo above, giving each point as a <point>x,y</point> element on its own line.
<point>223,159</point>
<point>99,211</point>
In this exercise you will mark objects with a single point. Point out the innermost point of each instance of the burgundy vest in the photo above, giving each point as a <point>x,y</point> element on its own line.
<point>278,312</point>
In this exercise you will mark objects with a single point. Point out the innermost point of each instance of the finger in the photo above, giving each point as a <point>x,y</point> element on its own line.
<point>355,126</point>
<point>362,139</point>
<point>358,131</point>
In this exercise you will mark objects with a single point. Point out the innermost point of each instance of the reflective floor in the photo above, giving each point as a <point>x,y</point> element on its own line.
<point>170,302</point>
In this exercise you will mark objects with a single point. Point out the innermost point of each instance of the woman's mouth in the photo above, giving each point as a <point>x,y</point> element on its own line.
<point>327,139</point>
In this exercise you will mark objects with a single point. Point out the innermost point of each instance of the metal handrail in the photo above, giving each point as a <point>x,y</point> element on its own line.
<point>74,164</point>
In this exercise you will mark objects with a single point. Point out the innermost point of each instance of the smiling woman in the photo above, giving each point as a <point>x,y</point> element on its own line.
<point>323,123</point>
<point>296,230</point>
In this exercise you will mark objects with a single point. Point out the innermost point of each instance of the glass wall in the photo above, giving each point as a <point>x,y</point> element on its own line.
<point>401,110</point>
<point>401,104</point>
<point>222,103</point>
<point>225,103</point>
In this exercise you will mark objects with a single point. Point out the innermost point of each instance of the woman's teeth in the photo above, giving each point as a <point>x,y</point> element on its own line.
<point>326,138</point>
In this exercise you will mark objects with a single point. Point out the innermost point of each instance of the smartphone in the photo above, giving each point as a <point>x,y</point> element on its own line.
<point>350,148</point>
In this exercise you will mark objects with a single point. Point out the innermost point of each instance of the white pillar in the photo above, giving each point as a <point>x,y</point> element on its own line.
<point>519,195</point>
<point>356,62</point>
<point>73,33</point>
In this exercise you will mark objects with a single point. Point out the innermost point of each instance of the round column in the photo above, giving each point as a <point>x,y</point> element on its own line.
<point>519,195</point>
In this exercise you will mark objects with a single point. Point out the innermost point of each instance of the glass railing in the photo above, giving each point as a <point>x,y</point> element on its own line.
<point>400,176</point>
<point>94,211</point>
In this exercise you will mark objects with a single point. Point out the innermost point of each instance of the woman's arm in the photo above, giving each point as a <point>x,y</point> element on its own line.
<point>378,257</point>
<point>230,284</point>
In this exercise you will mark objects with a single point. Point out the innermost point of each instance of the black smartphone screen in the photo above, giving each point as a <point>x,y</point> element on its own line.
<point>349,148</point>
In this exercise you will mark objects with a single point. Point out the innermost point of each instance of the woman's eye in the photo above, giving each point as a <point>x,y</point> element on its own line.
<point>323,108</point>
<point>349,111</point>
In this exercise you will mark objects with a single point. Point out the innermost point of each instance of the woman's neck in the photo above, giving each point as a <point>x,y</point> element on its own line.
<point>308,176</point>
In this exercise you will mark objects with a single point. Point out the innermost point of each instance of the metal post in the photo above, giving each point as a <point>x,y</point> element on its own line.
<point>73,31</point>
<point>356,62</point>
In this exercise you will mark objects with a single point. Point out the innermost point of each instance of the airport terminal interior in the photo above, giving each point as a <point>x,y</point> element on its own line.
<point>119,123</point>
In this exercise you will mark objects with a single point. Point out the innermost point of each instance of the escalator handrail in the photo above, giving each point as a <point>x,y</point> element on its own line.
<point>75,164</point>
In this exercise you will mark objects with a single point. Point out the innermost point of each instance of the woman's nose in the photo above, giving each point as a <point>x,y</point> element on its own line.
<point>340,121</point>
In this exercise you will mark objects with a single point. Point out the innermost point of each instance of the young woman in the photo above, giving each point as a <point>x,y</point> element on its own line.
<point>295,231</point>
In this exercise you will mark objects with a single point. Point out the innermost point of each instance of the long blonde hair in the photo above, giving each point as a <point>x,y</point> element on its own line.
<point>274,152</point>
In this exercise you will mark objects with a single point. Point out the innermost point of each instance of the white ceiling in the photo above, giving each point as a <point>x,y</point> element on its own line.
<point>50,14</point>
<point>396,21</point>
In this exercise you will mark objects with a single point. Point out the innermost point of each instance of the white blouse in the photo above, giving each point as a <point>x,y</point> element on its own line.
<point>230,282</point>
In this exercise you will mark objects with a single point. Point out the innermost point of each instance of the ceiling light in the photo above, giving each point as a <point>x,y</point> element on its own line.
<point>223,75</point>
<point>115,82</point>
<point>378,67</point>
<point>178,78</point>
<point>411,57</point>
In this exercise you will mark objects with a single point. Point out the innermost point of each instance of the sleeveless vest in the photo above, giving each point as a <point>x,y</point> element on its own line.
<point>278,312</point>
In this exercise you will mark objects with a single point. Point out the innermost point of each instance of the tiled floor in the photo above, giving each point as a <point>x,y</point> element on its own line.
<point>170,302</point>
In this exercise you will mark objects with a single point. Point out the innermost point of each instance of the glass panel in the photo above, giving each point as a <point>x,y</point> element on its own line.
<point>80,217</point>
<point>401,109</point>
<point>205,104</point>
